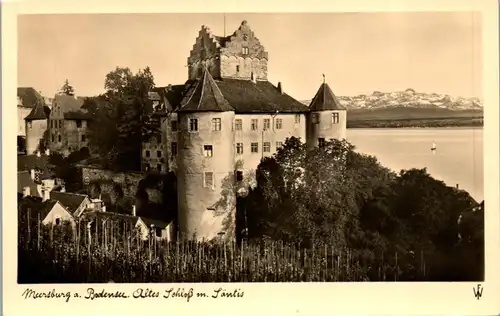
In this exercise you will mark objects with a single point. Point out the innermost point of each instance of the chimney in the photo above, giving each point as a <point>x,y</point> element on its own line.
<point>133,211</point>
<point>46,194</point>
<point>280,89</point>
<point>47,152</point>
<point>26,191</point>
<point>32,174</point>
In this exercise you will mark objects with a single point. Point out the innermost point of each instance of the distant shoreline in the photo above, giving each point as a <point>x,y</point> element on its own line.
<point>418,123</point>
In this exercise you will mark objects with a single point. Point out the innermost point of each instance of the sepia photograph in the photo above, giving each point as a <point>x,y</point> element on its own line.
<point>250,147</point>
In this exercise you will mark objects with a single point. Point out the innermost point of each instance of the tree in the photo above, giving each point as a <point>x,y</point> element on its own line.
<point>123,119</point>
<point>66,169</point>
<point>67,89</point>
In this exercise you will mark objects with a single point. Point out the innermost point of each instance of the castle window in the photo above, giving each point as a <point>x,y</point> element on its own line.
<point>278,145</point>
<point>147,153</point>
<point>254,147</point>
<point>51,124</point>
<point>297,118</point>
<point>193,125</point>
<point>53,138</point>
<point>239,148</point>
<point>315,118</point>
<point>158,167</point>
<point>146,167</point>
<point>216,124</point>
<point>239,175</point>
<point>321,142</point>
<point>267,124</point>
<point>237,68</point>
<point>208,150</point>
<point>59,138</point>
<point>244,50</point>
<point>58,221</point>
<point>266,147</point>
<point>335,118</point>
<point>30,124</point>
<point>173,149</point>
<point>60,123</point>
<point>255,124</point>
<point>208,181</point>
<point>238,124</point>
<point>158,153</point>
<point>79,123</point>
<point>174,126</point>
<point>84,138</point>
<point>279,123</point>
<point>245,37</point>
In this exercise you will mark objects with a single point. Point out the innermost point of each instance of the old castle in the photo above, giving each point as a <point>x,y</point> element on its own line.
<point>219,125</point>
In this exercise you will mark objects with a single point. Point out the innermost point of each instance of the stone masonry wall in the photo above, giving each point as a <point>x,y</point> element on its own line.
<point>127,181</point>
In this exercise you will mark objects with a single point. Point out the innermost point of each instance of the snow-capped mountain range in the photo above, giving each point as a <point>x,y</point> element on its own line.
<point>408,98</point>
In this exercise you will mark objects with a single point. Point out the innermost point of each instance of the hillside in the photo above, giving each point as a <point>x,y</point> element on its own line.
<point>408,113</point>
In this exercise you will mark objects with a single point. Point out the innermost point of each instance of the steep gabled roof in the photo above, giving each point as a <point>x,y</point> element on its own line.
<point>29,97</point>
<point>325,100</point>
<point>246,96</point>
<point>205,97</point>
<point>154,222</point>
<point>71,201</point>
<point>39,112</point>
<point>24,180</point>
<point>36,207</point>
<point>113,216</point>
<point>28,162</point>
<point>77,115</point>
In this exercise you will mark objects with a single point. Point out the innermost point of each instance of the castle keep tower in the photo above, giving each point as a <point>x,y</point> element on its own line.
<point>205,161</point>
<point>327,118</point>
<point>36,127</point>
<point>238,56</point>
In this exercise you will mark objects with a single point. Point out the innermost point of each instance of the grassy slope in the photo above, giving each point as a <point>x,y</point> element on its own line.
<point>399,113</point>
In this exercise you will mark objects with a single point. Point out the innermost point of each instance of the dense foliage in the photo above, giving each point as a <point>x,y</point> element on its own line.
<point>337,196</point>
<point>66,169</point>
<point>121,118</point>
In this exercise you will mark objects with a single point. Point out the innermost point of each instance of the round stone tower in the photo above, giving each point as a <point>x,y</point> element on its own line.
<point>205,162</point>
<point>36,126</point>
<point>327,118</point>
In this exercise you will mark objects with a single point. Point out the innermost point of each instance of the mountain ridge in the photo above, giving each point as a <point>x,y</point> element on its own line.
<point>408,99</point>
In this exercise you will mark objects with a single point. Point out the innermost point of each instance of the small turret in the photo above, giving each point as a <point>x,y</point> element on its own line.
<point>327,118</point>
<point>36,124</point>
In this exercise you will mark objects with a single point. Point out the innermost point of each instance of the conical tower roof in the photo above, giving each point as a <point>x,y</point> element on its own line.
<point>39,112</point>
<point>325,100</point>
<point>205,96</point>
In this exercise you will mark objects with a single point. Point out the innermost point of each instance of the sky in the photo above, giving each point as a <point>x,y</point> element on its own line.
<point>358,52</point>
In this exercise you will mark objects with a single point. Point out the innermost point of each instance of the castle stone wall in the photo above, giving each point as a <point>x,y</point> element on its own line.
<point>204,211</point>
<point>246,136</point>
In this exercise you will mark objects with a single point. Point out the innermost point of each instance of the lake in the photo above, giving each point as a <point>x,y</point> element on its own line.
<point>457,160</point>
